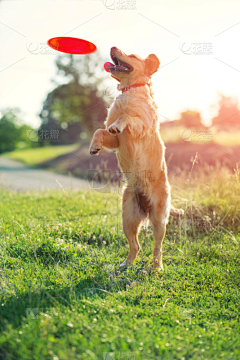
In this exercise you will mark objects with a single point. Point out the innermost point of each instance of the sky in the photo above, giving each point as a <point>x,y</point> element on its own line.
<point>197,43</point>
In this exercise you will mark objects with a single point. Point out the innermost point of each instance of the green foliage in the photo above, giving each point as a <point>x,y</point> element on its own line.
<point>13,133</point>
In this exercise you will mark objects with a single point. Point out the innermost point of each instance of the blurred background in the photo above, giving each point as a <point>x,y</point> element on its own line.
<point>51,103</point>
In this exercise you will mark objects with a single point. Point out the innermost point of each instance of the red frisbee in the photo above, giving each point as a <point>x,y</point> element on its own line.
<point>72,45</point>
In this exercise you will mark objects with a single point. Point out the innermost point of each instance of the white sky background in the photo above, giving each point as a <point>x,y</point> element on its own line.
<point>183,81</point>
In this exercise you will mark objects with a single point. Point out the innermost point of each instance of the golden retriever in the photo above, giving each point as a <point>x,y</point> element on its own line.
<point>132,131</point>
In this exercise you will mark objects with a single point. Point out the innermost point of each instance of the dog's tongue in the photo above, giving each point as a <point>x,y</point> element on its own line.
<point>107,66</point>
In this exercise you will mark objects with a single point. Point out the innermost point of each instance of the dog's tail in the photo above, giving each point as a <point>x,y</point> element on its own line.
<point>176,212</point>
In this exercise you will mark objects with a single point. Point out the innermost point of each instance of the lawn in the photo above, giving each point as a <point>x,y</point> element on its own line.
<point>38,155</point>
<point>63,297</point>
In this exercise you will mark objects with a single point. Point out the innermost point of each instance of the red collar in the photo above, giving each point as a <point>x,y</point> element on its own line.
<point>133,86</point>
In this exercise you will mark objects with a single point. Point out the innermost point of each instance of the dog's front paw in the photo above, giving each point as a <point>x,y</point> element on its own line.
<point>114,129</point>
<point>94,150</point>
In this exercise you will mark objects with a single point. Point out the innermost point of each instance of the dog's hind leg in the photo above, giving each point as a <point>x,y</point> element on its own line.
<point>102,138</point>
<point>158,218</point>
<point>131,218</point>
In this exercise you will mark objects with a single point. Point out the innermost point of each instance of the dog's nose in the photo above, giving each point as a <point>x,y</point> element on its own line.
<point>114,48</point>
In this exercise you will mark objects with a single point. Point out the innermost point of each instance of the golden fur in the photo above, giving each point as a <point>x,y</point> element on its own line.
<point>132,130</point>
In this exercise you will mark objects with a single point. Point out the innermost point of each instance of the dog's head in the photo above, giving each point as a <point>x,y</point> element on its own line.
<point>131,69</point>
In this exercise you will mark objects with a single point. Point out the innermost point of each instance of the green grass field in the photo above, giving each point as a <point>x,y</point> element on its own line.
<point>63,297</point>
<point>34,157</point>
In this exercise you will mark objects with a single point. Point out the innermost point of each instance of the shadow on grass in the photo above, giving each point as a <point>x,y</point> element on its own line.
<point>16,308</point>
<point>108,281</point>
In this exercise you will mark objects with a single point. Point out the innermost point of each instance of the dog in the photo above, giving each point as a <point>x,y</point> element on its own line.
<point>132,131</point>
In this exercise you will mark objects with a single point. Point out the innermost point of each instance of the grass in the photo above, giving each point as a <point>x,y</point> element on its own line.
<point>224,138</point>
<point>62,295</point>
<point>33,157</point>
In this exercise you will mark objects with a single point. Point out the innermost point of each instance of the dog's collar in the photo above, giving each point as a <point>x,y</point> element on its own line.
<point>133,86</point>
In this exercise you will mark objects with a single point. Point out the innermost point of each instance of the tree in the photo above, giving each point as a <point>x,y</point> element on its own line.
<point>191,119</point>
<point>228,117</point>
<point>13,133</point>
<point>78,107</point>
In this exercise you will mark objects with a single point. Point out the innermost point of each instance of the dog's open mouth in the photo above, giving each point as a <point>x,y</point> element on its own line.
<point>118,65</point>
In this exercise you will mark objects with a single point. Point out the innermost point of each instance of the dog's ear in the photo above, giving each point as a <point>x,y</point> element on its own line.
<point>152,64</point>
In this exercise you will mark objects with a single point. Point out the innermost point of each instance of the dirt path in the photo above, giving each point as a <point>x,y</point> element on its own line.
<point>16,176</point>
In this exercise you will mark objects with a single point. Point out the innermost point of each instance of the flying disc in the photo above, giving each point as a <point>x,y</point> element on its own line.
<point>72,45</point>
